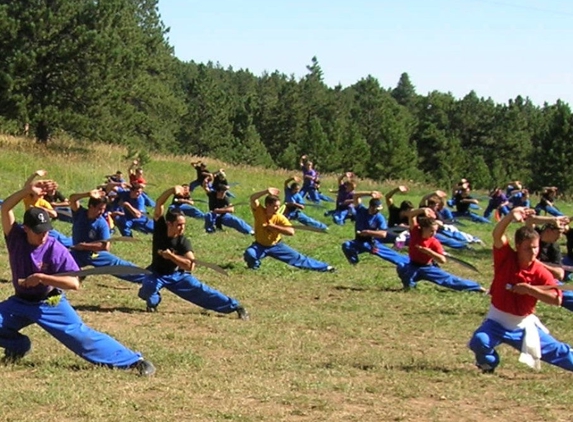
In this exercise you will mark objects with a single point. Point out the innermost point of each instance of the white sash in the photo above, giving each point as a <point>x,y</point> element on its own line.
<point>531,345</point>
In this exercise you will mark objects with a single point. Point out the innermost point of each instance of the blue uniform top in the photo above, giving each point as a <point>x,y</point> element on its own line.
<point>86,230</point>
<point>137,203</point>
<point>367,221</point>
<point>290,197</point>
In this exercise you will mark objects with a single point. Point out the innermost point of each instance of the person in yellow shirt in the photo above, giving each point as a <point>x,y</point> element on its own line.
<point>270,226</point>
<point>35,199</point>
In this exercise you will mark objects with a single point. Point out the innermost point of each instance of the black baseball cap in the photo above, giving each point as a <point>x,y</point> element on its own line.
<point>37,220</point>
<point>375,203</point>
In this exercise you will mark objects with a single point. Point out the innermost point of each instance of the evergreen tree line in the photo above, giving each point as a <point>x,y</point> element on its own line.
<point>103,70</point>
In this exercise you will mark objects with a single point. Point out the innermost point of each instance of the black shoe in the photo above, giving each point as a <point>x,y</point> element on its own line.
<point>151,309</point>
<point>144,368</point>
<point>242,313</point>
<point>330,269</point>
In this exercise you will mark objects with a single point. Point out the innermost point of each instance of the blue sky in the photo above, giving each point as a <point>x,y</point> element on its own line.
<point>500,49</point>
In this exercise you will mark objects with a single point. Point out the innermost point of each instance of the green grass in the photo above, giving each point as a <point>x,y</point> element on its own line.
<point>347,346</point>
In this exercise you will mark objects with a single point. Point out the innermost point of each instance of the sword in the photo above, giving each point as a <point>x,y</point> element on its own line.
<point>461,262</point>
<point>309,228</point>
<point>214,267</point>
<point>106,270</point>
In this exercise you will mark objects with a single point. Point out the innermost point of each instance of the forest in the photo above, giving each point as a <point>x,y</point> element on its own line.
<point>104,71</point>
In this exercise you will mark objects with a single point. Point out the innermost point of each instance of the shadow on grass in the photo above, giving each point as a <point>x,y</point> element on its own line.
<point>427,366</point>
<point>352,288</point>
<point>98,308</point>
<point>121,287</point>
<point>4,280</point>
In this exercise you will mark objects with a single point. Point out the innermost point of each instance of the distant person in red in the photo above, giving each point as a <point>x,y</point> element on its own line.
<point>136,179</point>
<point>519,281</point>
<point>425,251</point>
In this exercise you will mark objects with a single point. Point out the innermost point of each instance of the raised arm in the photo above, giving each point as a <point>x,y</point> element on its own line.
<point>37,173</point>
<point>76,197</point>
<point>389,195</point>
<point>518,214</point>
<point>290,179</point>
<point>439,193</point>
<point>535,220</point>
<point>254,198</point>
<point>356,198</point>
<point>415,213</point>
<point>160,202</point>
<point>7,210</point>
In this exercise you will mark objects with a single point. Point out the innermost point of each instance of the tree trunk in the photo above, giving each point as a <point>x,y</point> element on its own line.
<point>42,133</point>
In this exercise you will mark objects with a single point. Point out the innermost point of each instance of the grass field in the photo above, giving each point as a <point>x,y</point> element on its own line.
<point>346,346</point>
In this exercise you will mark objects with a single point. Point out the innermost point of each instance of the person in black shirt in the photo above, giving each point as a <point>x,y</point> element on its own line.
<point>173,260</point>
<point>463,202</point>
<point>221,212</point>
<point>185,204</point>
<point>60,203</point>
<point>549,250</point>
<point>547,202</point>
<point>202,173</point>
<point>549,229</point>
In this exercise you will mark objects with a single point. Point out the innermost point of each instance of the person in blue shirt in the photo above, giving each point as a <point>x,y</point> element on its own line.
<point>294,205</point>
<point>134,212</point>
<point>91,234</point>
<point>370,228</point>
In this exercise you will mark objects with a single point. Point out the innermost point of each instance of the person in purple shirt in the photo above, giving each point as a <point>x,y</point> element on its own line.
<point>497,201</point>
<point>309,176</point>
<point>344,199</point>
<point>37,261</point>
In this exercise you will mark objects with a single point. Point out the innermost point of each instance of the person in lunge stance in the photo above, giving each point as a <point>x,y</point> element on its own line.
<point>221,212</point>
<point>424,251</point>
<point>36,261</point>
<point>270,226</point>
<point>173,261</point>
<point>520,280</point>
<point>370,230</point>
<point>294,205</point>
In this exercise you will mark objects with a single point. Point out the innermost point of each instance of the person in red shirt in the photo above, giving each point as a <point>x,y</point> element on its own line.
<point>424,250</point>
<point>519,281</point>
